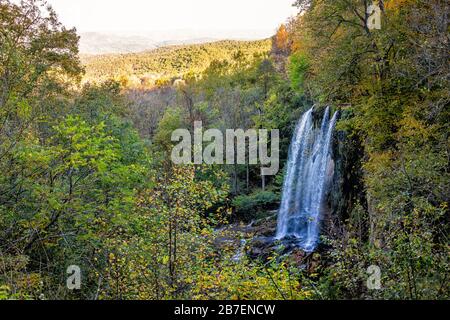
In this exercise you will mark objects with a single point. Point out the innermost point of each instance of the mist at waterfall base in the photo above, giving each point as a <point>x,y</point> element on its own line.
<point>306,184</point>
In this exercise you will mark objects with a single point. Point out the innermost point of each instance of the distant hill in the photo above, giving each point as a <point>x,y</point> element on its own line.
<point>93,43</point>
<point>103,43</point>
<point>166,63</point>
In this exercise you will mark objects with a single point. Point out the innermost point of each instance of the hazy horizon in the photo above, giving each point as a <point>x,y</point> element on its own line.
<point>94,43</point>
<point>176,19</point>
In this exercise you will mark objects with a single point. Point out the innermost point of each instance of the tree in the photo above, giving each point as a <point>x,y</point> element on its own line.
<point>282,43</point>
<point>35,52</point>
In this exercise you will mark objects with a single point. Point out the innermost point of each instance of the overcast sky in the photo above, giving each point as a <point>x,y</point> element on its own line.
<point>233,17</point>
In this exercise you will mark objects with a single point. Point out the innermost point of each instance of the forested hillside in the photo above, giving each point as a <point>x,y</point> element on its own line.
<point>86,177</point>
<point>166,63</point>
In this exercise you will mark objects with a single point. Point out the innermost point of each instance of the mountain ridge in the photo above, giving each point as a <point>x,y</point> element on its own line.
<point>167,62</point>
<point>100,43</point>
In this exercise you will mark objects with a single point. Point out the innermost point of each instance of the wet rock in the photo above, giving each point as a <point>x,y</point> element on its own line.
<point>347,186</point>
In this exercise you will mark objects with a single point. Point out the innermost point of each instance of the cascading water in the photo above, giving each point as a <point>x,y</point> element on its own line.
<point>307,181</point>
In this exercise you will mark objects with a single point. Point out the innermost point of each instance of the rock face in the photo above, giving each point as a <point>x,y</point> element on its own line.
<point>347,187</point>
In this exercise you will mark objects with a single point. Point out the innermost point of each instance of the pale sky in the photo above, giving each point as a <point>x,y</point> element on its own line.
<point>236,17</point>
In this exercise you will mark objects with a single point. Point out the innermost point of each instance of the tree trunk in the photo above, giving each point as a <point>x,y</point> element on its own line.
<point>263,182</point>
<point>248,177</point>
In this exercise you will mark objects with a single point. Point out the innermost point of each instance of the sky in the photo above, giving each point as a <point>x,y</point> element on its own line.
<point>235,18</point>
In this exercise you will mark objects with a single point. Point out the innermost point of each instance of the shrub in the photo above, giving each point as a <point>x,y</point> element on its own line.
<point>251,204</point>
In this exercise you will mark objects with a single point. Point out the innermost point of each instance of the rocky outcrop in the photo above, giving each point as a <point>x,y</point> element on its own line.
<point>347,186</point>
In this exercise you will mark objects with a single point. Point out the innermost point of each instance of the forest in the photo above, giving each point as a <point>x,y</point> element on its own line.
<point>86,177</point>
<point>160,66</point>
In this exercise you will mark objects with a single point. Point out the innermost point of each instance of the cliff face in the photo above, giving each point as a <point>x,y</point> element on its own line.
<point>347,185</point>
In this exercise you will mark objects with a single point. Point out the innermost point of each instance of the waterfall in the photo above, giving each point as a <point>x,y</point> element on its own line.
<point>307,181</point>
